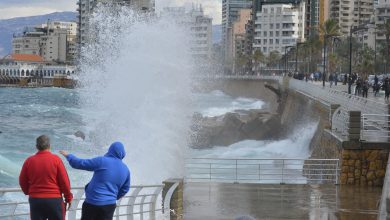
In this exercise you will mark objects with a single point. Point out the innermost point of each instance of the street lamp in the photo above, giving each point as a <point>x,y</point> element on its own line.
<point>286,58</point>
<point>296,57</point>
<point>326,36</point>
<point>350,51</point>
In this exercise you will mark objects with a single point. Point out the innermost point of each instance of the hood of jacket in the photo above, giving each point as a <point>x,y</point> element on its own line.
<point>116,150</point>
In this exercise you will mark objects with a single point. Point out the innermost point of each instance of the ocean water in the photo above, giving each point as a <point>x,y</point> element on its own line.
<point>59,113</point>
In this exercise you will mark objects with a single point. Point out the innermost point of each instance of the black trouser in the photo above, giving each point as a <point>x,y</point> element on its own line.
<point>47,208</point>
<point>94,212</point>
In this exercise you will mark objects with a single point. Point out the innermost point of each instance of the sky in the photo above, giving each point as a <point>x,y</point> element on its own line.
<point>23,8</point>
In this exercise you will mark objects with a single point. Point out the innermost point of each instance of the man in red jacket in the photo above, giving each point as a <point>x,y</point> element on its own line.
<point>44,179</point>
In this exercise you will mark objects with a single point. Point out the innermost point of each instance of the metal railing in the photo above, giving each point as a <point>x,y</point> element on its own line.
<point>340,123</point>
<point>347,101</point>
<point>375,127</point>
<point>139,203</point>
<point>275,170</point>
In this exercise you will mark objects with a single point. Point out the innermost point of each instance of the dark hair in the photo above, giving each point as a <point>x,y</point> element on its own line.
<point>43,142</point>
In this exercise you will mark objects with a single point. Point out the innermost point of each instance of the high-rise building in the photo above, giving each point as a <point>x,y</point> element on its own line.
<point>239,33</point>
<point>278,26</point>
<point>86,7</point>
<point>351,13</point>
<point>53,43</point>
<point>199,25</point>
<point>230,13</point>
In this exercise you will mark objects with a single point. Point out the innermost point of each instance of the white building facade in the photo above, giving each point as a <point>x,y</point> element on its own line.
<point>86,7</point>
<point>278,26</point>
<point>55,44</point>
<point>200,27</point>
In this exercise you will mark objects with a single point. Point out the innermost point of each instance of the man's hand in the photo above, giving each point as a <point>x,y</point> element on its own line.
<point>68,205</point>
<point>64,153</point>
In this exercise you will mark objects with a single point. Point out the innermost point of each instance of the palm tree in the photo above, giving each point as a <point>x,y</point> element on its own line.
<point>273,58</point>
<point>313,48</point>
<point>385,29</point>
<point>258,57</point>
<point>329,29</point>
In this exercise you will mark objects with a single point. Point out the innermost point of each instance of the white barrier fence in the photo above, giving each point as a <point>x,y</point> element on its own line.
<point>141,202</point>
<point>274,170</point>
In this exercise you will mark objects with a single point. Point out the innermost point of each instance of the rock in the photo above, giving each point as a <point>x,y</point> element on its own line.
<point>380,173</point>
<point>232,127</point>
<point>343,178</point>
<point>370,175</point>
<point>80,134</point>
<point>373,155</point>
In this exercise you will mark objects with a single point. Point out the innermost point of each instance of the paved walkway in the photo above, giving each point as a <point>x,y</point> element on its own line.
<point>216,201</point>
<point>344,88</point>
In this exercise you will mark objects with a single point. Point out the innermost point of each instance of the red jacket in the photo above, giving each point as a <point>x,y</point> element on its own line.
<point>43,175</point>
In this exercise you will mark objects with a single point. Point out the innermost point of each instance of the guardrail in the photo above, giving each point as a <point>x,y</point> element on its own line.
<point>274,170</point>
<point>375,127</point>
<point>347,101</point>
<point>139,203</point>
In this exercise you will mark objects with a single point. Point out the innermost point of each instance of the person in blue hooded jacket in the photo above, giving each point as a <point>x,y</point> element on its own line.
<point>110,182</point>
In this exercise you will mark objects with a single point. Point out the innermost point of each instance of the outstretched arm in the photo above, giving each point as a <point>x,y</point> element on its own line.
<point>82,164</point>
<point>63,181</point>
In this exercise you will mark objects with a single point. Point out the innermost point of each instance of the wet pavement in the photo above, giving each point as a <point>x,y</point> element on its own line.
<point>380,97</point>
<point>262,201</point>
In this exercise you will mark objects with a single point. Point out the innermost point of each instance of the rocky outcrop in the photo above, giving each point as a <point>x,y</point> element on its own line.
<point>232,127</point>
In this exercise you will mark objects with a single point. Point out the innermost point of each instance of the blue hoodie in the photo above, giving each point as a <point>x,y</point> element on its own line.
<point>111,177</point>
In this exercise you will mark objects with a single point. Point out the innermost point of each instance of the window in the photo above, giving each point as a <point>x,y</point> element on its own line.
<point>265,34</point>
<point>277,26</point>
<point>272,10</point>
<point>277,33</point>
<point>276,41</point>
<point>265,41</point>
<point>271,41</point>
<point>264,49</point>
<point>271,33</point>
<point>271,26</point>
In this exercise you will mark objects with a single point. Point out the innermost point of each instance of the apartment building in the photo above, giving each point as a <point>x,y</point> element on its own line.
<point>230,13</point>
<point>351,13</point>
<point>86,7</point>
<point>278,26</point>
<point>199,25</point>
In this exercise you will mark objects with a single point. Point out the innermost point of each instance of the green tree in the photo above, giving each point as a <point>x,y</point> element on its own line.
<point>385,29</point>
<point>258,58</point>
<point>273,58</point>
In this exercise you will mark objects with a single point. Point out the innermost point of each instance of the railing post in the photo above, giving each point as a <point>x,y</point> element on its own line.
<point>236,172</point>
<point>210,172</point>
<point>176,200</point>
<point>282,172</point>
<point>259,172</point>
<point>337,172</point>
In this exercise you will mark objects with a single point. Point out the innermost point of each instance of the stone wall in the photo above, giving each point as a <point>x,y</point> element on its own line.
<point>363,167</point>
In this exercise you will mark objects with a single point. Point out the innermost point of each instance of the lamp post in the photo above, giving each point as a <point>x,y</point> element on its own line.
<point>286,58</point>
<point>296,57</point>
<point>350,52</point>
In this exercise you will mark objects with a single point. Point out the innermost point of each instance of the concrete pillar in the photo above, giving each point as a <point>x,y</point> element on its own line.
<point>354,125</point>
<point>176,204</point>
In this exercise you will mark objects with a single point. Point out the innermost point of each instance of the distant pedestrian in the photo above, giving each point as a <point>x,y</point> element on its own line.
<point>44,179</point>
<point>345,79</point>
<point>110,182</point>
<point>331,79</point>
<point>386,86</point>
<point>365,89</point>
<point>335,79</point>
<point>358,88</point>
